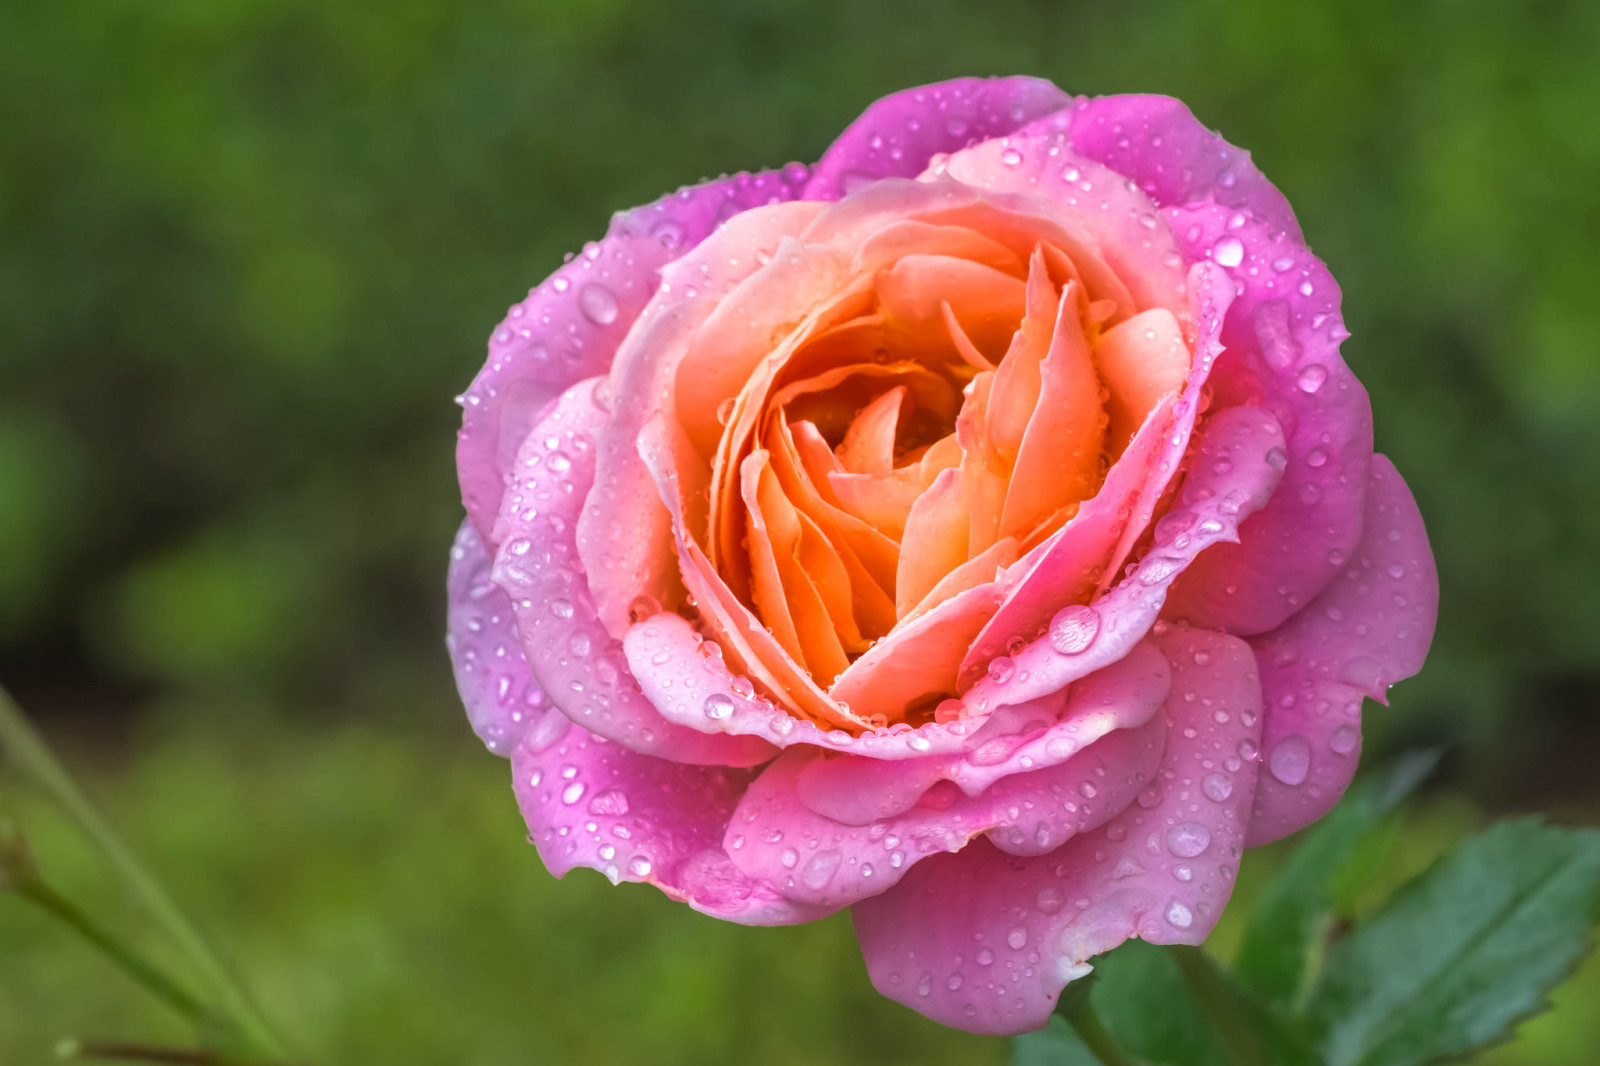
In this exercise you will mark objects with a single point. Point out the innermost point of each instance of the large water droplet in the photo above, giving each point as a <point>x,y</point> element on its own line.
<point>718,706</point>
<point>1228,252</point>
<point>819,868</point>
<point>1344,739</point>
<point>1180,916</point>
<point>1217,787</point>
<point>1017,938</point>
<point>1001,669</point>
<point>1311,377</point>
<point>597,304</point>
<point>1290,761</point>
<point>1188,839</point>
<point>572,793</point>
<point>1073,629</point>
<point>611,801</point>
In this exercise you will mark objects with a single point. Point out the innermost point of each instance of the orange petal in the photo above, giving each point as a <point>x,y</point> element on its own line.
<point>958,337</point>
<point>794,603</point>
<point>983,470</point>
<point>1059,461</point>
<point>911,237</point>
<point>917,662</point>
<point>868,446</point>
<point>988,303</point>
<point>826,569</point>
<point>1140,361</point>
<point>884,500</point>
<point>1015,393</point>
<point>978,570</point>
<point>935,540</point>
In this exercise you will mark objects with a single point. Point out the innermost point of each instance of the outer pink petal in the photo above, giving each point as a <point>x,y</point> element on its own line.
<point>857,790</point>
<point>570,325</point>
<point>497,688</point>
<point>777,839</point>
<point>638,818</point>
<point>1235,469</point>
<point>985,941</point>
<point>576,662</point>
<point>1368,629</point>
<point>896,136</point>
<point>1156,143</point>
<point>1282,336</point>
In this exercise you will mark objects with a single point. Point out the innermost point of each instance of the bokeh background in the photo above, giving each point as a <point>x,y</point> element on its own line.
<point>250,249</point>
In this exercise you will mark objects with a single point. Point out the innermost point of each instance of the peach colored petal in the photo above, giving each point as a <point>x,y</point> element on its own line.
<point>982,468</point>
<point>911,237</point>
<point>958,337</point>
<point>767,587</point>
<point>1016,387</point>
<point>917,662</point>
<point>825,566</point>
<point>987,302</point>
<point>868,445</point>
<point>1059,461</point>
<point>1140,361</point>
<point>978,570</point>
<point>746,325</point>
<point>935,540</point>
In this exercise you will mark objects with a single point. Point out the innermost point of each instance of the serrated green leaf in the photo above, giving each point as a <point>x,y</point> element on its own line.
<point>1054,1045</point>
<point>1464,951</point>
<point>1288,919</point>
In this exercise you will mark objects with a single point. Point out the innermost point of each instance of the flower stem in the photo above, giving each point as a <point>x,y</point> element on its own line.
<point>117,1051</point>
<point>1219,1004</point>
<point>33,754</point>
<point>136,966</point>
<point>1076,1007</point>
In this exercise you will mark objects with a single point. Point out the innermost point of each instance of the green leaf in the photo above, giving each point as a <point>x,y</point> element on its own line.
<point>1290,918</point>
<point>1464,951</point>
<point>1142,998</point>
<point>1054,1045</point>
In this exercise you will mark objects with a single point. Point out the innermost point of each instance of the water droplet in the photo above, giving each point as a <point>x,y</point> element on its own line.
<point>611,801</point>
<point>639,866</point>
<point>1290,761</point>
<point>1344,739</point>
<point>1188,839</point>
<point>1017,938</point>
<point>1051,899</point>
<point>819,868</point>
<point>1010,157</point>
<point>1277,458</point>
<point>718,706</point>
<point>789,858</point>
<point>1001,669</point>
<point>1228,252</point>
<point>597,304</point>
<point>561,608</point>
<point>985,956</point>
<point>572,793</point>
<point>1179,916</point>
<point>1073,629</point>
<point>1311,377</point>
<point>1217,787</point>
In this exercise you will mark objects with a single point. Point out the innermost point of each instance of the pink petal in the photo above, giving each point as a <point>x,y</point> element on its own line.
<point>856,790</point>
<point>985,941</point>
<point>643,381</point>
<point>569,327</point>
<point>1367,630</point>
<point>1155,142</point>
<point>776,839</point>
<point>579,666</point>
<point>497,688</point>
<point>896,136</point>
<point>1282,336</point>
<point>638,818</point>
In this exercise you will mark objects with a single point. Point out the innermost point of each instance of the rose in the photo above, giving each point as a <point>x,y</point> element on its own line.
<point>979,528</point>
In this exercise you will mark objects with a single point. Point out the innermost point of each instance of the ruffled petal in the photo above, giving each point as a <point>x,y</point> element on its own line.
<point>896,136</point>
<point>1282,336</point>
<point>777,839</point>
<point>638,818</point>
<point>1236,468</point>
<point>985,941</point>
<point>1367,630</point>
<point>492,675</point>
<point>1157,143</point>
<point>579,666</point>
<point>570,326</point>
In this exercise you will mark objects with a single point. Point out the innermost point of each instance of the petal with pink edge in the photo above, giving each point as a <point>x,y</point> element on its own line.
<point>777,839</point>
<point>1234,472</point>
<point>985,941</point>
<point>634,817</point>
<point>896,136</point>
<point>1367,630</point>
<point>1158,144</point>
<point>497,688</point>
<point>1282,337</point>
<point>579,666</point>
<point>570,326</point>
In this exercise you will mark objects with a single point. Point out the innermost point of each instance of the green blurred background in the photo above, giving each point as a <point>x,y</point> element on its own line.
<point>249,250</point>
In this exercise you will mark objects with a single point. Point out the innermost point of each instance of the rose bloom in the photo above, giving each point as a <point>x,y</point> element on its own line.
<point>978,529</point>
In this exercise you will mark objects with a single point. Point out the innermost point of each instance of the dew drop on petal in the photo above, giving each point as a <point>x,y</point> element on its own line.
<point>1290,761</point>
